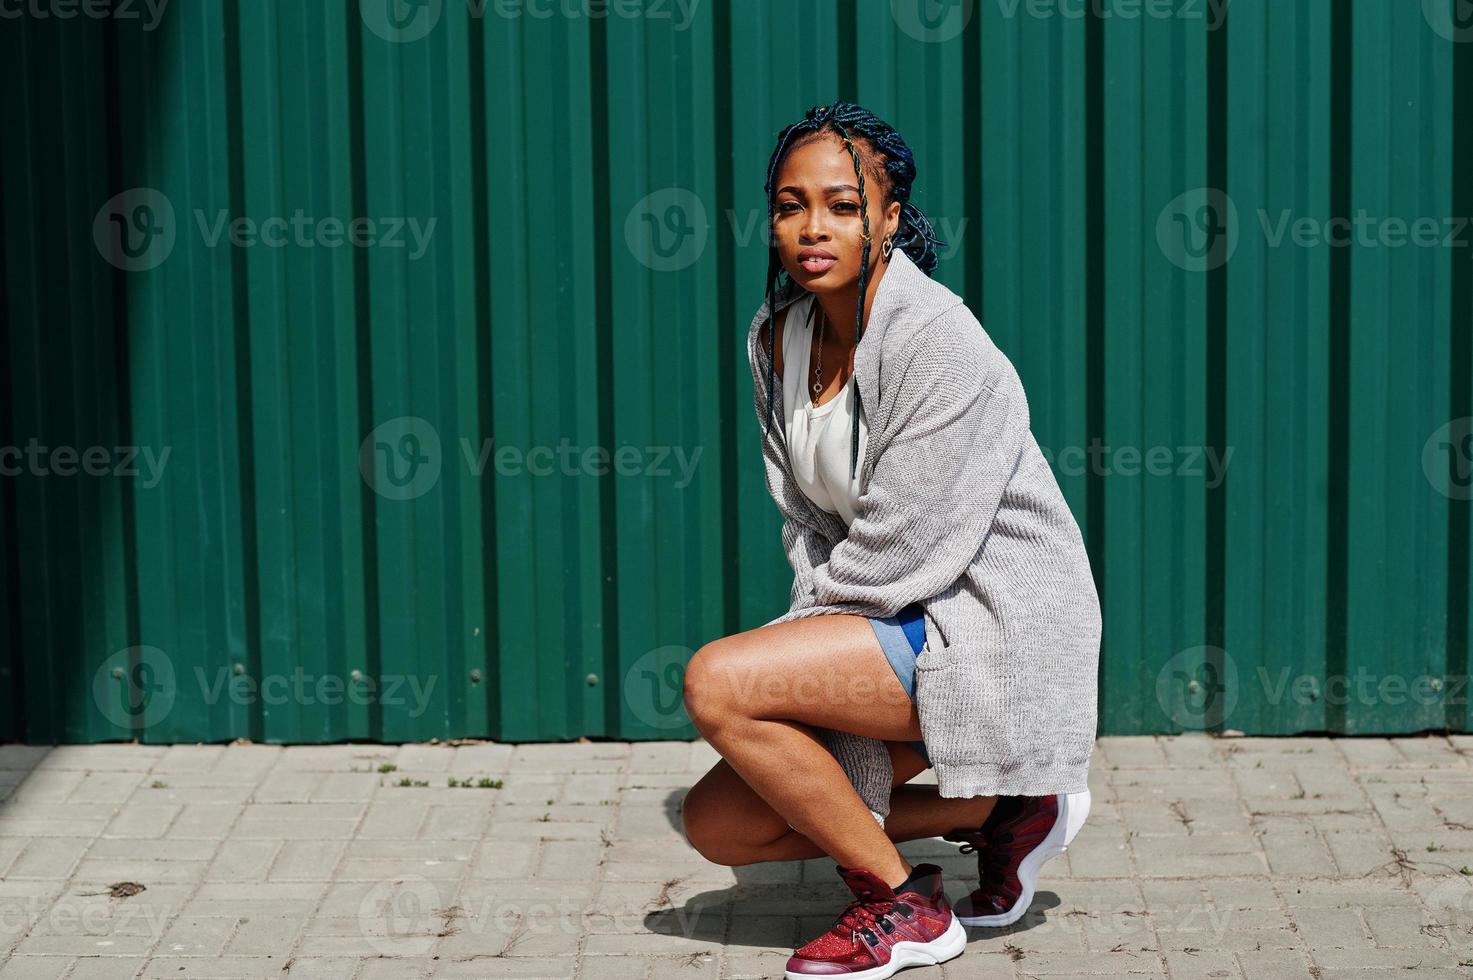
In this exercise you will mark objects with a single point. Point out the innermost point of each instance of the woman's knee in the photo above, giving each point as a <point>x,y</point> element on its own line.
<point>695,823</point>
<point>725,821</point>
<point>709,697</point>
<point>707,830</point>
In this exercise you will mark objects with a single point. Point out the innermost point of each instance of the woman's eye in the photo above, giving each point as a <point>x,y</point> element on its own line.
<point>847,206</point>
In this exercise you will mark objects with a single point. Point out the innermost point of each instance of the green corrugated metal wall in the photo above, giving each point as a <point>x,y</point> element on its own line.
<point>1058,154</point>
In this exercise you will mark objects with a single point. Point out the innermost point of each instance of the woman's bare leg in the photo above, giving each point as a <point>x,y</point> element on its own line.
<point>917,812</point>
<point>727,821</point>
<point>756,697</point>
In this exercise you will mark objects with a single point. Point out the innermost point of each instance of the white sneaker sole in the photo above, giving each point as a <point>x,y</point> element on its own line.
<point>1073,811</point>
<point>906,953</point>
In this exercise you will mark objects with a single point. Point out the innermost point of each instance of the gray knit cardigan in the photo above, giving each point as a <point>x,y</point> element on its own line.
<point>959,512</point>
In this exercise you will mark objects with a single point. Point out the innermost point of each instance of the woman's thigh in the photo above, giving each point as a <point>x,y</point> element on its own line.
<point>722,807</point>
<point>829,671</point>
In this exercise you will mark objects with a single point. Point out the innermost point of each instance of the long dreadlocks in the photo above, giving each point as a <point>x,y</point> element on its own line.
<point>914,234</point>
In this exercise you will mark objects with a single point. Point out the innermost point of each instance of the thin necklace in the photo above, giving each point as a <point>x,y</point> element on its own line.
<point>818,370</point>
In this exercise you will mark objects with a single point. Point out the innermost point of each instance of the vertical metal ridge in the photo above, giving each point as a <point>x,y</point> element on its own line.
<point>1460,367</point>
<point>731,341</point>
<point>1095,528</point>
<point>846,50</point>
<point>603,292</point>
<point>1215,361</point>
<point>973,100</point>
<point>362,306</point>
<point>240,330</point>
<point>14,723</point>
<point>1338,436</point>
<point>119,325</point>
<point>485,368</point>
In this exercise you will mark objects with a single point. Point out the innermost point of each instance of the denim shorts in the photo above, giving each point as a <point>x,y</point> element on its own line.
<point>902,637</point>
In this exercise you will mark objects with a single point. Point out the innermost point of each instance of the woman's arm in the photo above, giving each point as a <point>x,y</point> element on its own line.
<point>962,425</point>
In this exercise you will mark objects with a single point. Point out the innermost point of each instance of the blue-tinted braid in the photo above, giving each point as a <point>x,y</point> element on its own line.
<point>914,234</point>
<point>859,306</point>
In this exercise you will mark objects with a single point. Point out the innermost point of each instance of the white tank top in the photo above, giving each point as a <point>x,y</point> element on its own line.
<point>818,438</point>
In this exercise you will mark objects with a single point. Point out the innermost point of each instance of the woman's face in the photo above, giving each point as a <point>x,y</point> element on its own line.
<point>817,224</point>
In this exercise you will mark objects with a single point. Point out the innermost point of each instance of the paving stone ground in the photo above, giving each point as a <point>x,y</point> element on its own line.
<point>1235,858</point>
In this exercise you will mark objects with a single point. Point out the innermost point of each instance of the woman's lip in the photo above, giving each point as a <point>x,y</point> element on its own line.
<point>817,263</point>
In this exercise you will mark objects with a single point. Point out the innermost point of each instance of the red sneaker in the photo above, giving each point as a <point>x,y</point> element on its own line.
<point>1010,852</point>
<point>882,932</point>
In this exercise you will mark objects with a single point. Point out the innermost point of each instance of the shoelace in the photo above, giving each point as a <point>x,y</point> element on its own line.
<point>863,913</point>
<point>970,840</point>
<point>992,862</point>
